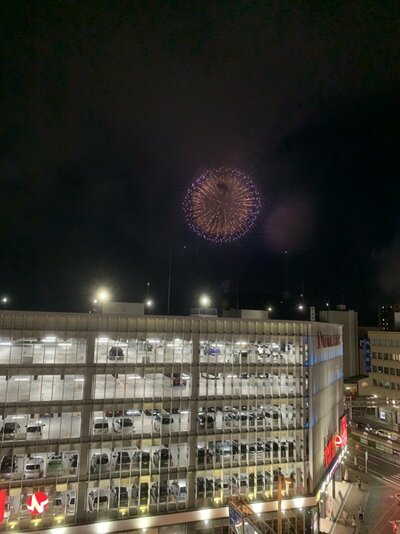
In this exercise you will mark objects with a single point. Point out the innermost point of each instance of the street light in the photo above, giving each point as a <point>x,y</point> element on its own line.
<point>269,310</point>
<point>149,303</point>
<point>205,301</point>
<point>4,300</point>
<point>103,295</point>
<point>300,307</point>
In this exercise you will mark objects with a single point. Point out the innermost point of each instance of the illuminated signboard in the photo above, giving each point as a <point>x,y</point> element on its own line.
<point>3,496</point>
<point>37,503</point>
<point>338,440</point>
<point>330,340</point>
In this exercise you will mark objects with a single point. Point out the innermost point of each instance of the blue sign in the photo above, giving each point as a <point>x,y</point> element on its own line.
<point>366,347</point>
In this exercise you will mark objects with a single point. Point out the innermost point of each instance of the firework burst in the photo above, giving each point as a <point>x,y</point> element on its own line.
<point>222,205</point>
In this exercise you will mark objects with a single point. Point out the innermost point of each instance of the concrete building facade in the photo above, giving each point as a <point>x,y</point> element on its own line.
<point>129,422</point>
<point>349,320</point>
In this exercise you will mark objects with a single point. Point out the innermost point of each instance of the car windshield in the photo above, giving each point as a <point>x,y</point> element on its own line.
<point>33,429</point>
<point>101,425</point>
<point>9,426</point>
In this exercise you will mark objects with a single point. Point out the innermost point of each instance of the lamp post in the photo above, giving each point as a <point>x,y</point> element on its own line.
<point>269,310</point>
<point>102,297</point>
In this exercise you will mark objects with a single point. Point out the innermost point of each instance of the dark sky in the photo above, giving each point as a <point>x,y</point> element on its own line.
<point>110,109</point>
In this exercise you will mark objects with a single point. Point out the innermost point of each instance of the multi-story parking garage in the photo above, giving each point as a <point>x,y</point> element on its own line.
<point>151,422</point>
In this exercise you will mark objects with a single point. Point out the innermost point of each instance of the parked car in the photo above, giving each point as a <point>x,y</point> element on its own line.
<point>384,434</point>
<point>141,458</point>
<point>177,380</point>
<point>9,430</point>
<point>34,467</point>
<point>210,350</point>
<point>99,462</point>
<point>113,413</point>
<point>152,411</point>
<point>74,462</point>
<point>162,457</point>
<point>160,492</point>
<point>140,494</point>
<point>119,496</point>
<point>211,376</point>
<point>9,465</point>
<point>163,421</point>
<point>34,430</point>
<point>205,487</point>
<point>71,502</point>
<point>178,490</point>
<point>55,467</point>
<point>206,420</point>
<point>123,425</point>
<point>101,425</point>
<point>97,500</point>
<point>115,353</point>
<point>257,481</point>
<point>122,459</point>
<point>204,454</point>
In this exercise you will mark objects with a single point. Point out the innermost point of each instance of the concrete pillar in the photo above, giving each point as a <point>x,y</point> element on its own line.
<point>193,407</point>
<point>88,387</point>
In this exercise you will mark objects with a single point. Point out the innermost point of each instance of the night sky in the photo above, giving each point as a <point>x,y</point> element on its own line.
<point>110,110</point>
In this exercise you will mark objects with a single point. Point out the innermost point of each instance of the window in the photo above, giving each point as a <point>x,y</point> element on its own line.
<point>392,371</point>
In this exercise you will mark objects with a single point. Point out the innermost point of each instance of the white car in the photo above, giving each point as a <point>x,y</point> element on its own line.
<point>123,425</point>
<point>163,421</point>
<point>34,430</point>
<point>100,425</point>
<point>98,500</point>
<point>34,467</point>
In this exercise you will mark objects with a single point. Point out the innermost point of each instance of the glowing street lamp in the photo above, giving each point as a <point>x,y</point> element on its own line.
<point>4,300</point>
<point>149,303</point>
<point>269,310</point>
<point>103,295</point>
<point>205,301</point>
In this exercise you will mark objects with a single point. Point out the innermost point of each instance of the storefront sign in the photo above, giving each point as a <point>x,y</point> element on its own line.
<point>337,440</point>
<point>37,503</point>
<point>330,451</point>
<point>3,496</point>
<point>327,340</point>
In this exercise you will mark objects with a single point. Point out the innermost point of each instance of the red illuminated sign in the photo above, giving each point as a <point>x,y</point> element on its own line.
<point>3,496</point>
<point>330,451</point>
<point>336,441</point>
<point>327,341</point>
<point>37,503</point>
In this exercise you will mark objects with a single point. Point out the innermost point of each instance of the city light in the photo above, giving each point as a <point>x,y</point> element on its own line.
<point>149,303</point>
<point>4,300</point>
<point>301,307</point>
<point>205,301</point>
<point>103,295</point>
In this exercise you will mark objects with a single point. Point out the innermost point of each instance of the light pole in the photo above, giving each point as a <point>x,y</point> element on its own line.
<point>102,297</point>
<point>300,307</point>
<point>4,301</point>
<point>269,310</point>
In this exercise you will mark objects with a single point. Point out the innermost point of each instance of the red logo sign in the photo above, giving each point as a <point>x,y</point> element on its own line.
<point>338,441</point>
<point>327,341</point>
<point>37,503</point>
<point>3,496</point>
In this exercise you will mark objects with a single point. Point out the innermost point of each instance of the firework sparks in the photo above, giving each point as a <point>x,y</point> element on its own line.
<point>222,205</point>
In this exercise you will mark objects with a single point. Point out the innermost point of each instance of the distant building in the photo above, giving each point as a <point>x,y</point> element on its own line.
<point>131,308</point>
<point>246,314</point>
<point>385,355</point>
<point>349,320</point>
<point>389,317</point>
